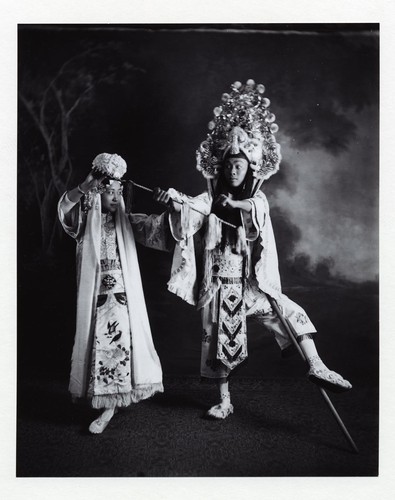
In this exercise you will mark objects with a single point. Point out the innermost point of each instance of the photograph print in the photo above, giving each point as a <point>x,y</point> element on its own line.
<point>197,286</point>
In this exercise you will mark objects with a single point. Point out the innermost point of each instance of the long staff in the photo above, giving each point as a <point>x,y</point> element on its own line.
<point>181,202</point>
<point>288,329</point>
<point>292,336</point>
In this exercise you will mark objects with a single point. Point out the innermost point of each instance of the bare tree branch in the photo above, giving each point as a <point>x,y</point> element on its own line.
<point>78,101</point>
<point>53,113</point>
<point>32,113</point>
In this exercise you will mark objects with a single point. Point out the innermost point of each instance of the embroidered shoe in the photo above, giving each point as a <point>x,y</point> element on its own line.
<point>98,425</point>
<point>220,412</point>
<point>328,379</point>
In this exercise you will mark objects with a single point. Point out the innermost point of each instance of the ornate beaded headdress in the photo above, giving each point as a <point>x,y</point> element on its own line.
<point>243,123</point>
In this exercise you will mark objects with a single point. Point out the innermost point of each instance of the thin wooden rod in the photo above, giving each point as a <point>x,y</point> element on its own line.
<point>292,335</point>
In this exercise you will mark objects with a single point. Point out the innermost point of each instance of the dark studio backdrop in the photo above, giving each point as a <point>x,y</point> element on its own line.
<point>147,93</point>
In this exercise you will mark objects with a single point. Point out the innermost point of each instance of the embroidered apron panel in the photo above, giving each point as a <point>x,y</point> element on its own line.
<point>232,331</point>
<point>231,318</point>
<point>111,365</point>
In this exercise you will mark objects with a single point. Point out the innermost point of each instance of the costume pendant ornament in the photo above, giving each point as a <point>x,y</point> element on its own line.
<point>243,122</point>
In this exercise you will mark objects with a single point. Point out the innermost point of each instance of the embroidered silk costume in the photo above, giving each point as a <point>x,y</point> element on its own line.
<point>225,258</point>
<point>114,361</point>
<point>230,286</point>
<point>227,268</point>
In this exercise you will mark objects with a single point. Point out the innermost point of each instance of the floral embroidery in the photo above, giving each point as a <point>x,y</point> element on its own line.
<point>301,318</point>
<point>111,360</point>
<point>109,370</point>
<point>156,236</point>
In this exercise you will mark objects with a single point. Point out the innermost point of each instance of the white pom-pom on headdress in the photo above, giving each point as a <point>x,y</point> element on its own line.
<point>112,165</point>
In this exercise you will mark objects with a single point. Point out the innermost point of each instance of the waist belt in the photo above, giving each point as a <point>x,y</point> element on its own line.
<point>228,281</point>
<point>110,264</point>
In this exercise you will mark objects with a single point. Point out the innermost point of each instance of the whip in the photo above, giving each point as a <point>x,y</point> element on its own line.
<point>181,202</point>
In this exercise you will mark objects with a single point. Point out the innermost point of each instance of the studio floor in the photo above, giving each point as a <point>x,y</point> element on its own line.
<point>280,427</point>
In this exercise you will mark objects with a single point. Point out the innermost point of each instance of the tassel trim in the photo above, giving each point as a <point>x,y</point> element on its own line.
<point>214,232</point>
<point>125,399</point>
<point>241,243</point>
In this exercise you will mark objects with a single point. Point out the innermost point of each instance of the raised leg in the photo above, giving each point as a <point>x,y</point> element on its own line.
<point>319,373</point>
<point>296,319</point>
<point>292,336</point>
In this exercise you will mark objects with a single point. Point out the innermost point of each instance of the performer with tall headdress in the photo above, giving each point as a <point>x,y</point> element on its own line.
<point>225,258</point>
<point>114,362</point>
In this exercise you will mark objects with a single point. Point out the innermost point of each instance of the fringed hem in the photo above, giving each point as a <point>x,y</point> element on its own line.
<point>125,399</point>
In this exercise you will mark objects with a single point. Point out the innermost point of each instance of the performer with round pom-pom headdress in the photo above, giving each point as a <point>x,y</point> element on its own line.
<point>114,361</point>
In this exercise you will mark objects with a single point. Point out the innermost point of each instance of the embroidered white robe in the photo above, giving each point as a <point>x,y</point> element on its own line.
<point>146,372</point>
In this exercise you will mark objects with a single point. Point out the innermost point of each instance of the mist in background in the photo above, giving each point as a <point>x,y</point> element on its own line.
<point>323,85</point>
<point>148,93</point>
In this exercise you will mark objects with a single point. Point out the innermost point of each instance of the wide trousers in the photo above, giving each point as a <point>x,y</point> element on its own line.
<point>211,364</point>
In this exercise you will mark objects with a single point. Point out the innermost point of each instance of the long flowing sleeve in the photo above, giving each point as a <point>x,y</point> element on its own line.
<point>254,221</point>
<point>152,231</point>
<point>191,217</point>
<point>259,231</point>
<point>71,216</point>
<point>184,226</point>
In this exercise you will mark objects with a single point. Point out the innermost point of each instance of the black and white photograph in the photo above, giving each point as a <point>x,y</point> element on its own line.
<point>198,270</point>
<point>198,250</point>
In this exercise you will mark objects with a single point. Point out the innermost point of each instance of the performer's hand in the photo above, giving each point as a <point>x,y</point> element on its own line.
<point>167,198</point>
<point>91,182</point>
<point>226,202</point>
